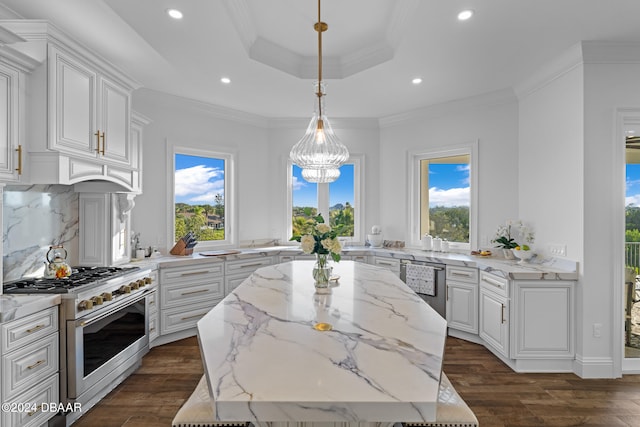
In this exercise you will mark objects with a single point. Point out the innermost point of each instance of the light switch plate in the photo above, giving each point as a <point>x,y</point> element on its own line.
<point>557,249</point>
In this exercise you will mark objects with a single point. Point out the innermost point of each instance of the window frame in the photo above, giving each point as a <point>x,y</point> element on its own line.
<point>357,160</point>
<point>230,212</point>
<point>414,157</point>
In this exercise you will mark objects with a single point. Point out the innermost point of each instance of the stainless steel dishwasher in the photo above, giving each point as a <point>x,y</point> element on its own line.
<point>439,301</point>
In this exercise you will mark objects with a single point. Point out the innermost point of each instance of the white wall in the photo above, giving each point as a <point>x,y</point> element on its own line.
<point>609,84</point>
<point>262,149</point>
<point>180,122</point>
<point>492,119</point>
<point>569,181</point>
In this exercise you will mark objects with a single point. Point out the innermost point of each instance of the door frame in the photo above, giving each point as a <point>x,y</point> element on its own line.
<point>622,365</point>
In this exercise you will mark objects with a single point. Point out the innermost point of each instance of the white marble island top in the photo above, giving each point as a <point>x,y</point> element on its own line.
<point>381,362</point>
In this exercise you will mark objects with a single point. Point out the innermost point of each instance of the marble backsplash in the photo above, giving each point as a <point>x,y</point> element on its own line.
<point>34,218</point>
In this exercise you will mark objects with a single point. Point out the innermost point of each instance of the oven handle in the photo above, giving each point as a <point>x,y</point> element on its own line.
<point>113,309</point>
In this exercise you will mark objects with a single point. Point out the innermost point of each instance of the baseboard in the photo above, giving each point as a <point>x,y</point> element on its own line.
<point>593,367</point>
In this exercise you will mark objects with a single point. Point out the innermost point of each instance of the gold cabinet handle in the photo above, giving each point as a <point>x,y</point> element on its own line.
<point>99,135</point>
<point>192,317</point>
<point>503,320</point>
<point>104,143</point>
<point>35,328</point>
<point>38,363</point>
<point>32,413</point>
<point>195,292</point>
<point>19,168</point>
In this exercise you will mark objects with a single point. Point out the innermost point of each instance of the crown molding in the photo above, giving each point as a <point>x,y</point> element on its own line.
<point>172,101</point>
<point>490,99</point>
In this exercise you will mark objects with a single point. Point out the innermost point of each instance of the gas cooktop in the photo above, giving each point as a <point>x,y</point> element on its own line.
<point>80,277</point>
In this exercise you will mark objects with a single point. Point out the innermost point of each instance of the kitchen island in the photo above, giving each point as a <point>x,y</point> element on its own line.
<point>267,361</point>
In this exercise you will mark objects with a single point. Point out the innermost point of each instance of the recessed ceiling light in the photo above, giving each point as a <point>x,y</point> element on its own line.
<point>174,13</point>
<point>465,14</point>
<point>225,80</point>
<point>416,81</point>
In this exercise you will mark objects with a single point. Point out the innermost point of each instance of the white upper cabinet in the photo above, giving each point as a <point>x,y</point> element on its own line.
<point>78,111</point>
<point>10,122</point>
<point>89,115</point>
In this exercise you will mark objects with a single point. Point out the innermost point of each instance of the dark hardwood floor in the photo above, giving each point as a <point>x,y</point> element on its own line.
<point>498,396</point>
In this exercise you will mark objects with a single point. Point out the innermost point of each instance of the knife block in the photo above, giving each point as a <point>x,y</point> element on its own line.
<point>180,248</point>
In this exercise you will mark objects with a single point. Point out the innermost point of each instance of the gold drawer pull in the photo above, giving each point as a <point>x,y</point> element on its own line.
<point>251,265</point>
<point>35,328</point>
<point>152,329</point>
<point>192,317</point>
<point>38,363</point>
<point>195,292</point>
<point>193,273</point>
<point>19,168</point>
<point>31,413</point>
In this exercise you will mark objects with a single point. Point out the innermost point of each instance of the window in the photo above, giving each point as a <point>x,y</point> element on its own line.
<point>341,199</point>
<point>443,195</point>
<point>202,197</point>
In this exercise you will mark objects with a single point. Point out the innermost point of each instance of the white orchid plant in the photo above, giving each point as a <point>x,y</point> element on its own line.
<point>505,236</point>
<point>321,239</point>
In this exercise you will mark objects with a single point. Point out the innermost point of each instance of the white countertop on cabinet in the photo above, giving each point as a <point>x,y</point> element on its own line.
<point>14,307</point>
<point>380,362</point>
<point>537,269</point>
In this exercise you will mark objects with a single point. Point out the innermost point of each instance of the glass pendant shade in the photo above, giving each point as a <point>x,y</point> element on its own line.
<point>319,153</point>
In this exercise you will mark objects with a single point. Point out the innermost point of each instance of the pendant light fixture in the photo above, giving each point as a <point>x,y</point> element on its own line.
<point>319,153</point>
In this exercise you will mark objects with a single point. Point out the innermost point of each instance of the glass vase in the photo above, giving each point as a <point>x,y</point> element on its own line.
<point>322,271</point>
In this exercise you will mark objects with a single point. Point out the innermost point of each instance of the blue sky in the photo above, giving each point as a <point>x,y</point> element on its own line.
<point>198,179</point>
<point>340,191</point>
<point>632,193</point>
<point>448,184</point>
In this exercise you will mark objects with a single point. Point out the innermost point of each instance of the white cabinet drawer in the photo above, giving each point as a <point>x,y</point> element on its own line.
<point>29,365</point>
<point>462,274</point>
<point>498,285</point>
<point>34,414</point>
<point>184,294</point>
<point>181,318</point>
<point>191,273</point>
<point>247,266</point>
<point>28,329</point>
<point>389,263</point>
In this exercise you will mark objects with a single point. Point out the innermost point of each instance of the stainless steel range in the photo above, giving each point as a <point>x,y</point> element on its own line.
<point>104,328</point>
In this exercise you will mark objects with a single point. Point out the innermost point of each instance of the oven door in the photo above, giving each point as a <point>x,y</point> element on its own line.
<point>106,343</point>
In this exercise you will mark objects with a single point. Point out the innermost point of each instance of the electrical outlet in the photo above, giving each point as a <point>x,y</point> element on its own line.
<point>557,249</point>
<point>597,330</point>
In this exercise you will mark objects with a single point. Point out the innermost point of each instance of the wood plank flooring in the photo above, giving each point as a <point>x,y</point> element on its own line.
<point>498,396</point>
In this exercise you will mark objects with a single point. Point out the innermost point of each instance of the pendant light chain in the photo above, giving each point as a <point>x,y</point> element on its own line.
<point>320,27</point>
<point>319,153</point>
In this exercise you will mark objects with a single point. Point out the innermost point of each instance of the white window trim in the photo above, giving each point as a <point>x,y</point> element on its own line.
<point>413,191</point>
<point>323,201</point>
<point>230,212</point>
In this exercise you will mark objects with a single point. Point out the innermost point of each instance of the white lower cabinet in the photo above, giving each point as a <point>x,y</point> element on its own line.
<point>462,298</point>
<point>152,310</point>
<point>392,264</point>
<point>29,368</point>
<point>494,313</point>
<point>238,270</point>
<point>543,323</point>
<point>188,293</point>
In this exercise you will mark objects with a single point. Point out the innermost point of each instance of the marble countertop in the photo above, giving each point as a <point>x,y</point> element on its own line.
<point>14,307</point>
<point>537,269</point>
<point>381,362</point>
